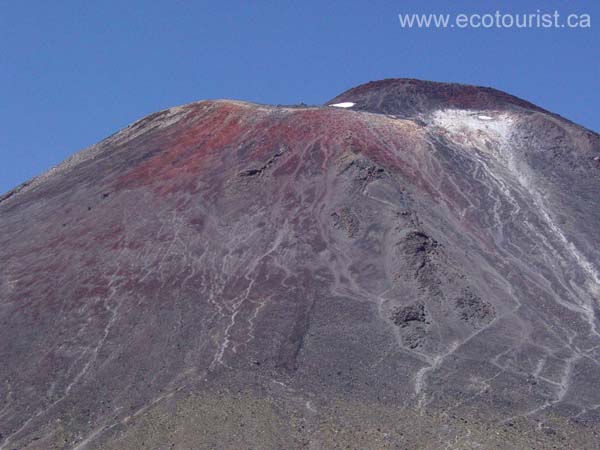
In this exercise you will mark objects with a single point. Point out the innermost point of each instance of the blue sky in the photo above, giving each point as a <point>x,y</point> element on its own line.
<point>73,72</point>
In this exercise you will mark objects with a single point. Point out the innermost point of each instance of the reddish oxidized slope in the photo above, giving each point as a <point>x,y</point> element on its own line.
<point>225,274</point>
<point>224,135</point>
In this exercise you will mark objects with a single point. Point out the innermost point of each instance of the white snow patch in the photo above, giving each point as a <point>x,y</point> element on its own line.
<point>343,105</point>
<point>486,133</point>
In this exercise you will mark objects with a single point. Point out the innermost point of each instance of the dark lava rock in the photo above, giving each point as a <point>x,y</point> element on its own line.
<point>473,309</point>
<point>412,313</point>
<point>346,220</point>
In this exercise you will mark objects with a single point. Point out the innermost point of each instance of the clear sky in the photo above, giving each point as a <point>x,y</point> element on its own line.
<point>73,72</point>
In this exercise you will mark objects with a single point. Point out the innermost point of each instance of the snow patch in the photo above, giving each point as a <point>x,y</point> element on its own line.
<point>343,105</point>
<point>485,133</point>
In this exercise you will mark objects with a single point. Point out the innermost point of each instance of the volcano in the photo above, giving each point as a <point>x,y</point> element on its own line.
<point>411,265</point>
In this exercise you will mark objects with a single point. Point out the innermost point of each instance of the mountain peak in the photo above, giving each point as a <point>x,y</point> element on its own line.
<point>407,97</point>
<point>227,274</point>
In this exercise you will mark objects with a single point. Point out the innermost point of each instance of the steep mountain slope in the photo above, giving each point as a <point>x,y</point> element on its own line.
<point>419,269</point>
